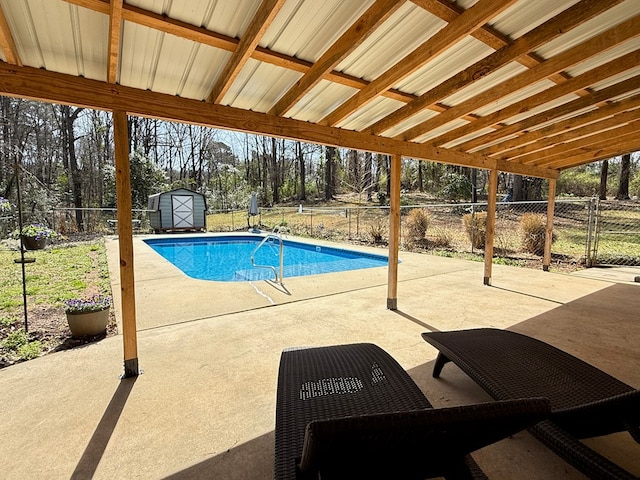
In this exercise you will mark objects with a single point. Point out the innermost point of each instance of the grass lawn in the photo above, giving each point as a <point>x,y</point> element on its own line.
<point>60,272</point>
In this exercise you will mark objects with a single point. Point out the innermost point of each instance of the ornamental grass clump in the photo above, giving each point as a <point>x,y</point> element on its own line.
<point>94,303</point>
<point>417,222</point>
<point>476,227</point>
<point>532,227</point>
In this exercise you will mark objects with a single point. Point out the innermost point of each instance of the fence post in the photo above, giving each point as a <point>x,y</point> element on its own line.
<point>590,232</point>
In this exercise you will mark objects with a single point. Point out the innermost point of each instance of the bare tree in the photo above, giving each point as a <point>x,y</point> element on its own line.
<point>604,173</point>
<point>625,171</point>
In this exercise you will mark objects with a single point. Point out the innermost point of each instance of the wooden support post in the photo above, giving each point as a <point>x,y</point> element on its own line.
<point>491,225</point>
<point>394,232</point>
<point>125,241</point>
<point>548,236</point>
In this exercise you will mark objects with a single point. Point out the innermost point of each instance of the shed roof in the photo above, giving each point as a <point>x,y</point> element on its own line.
<point>530,87</point>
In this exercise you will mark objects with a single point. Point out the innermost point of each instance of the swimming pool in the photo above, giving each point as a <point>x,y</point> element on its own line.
<point>228,258</point>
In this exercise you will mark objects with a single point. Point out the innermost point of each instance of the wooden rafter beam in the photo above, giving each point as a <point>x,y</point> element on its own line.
<point>472,19</point>
<point>622,146</point>
<point>49,86</point>
<point>347,43</point>
<point>594,98</point>
<point>588,143</point>
<point>7,45</point>
<point>598,74</point>
<point>560,24</point>
<point>162,23</point>
<point>489,36</point>
<point>525,138</point>
<point>541,146</point>
<point>115,27</point>
<point>587,49</point>
<point>259,24</point>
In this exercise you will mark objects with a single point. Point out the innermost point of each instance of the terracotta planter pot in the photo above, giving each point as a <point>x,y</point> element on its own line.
<point>88,324</point>
<point>33,243</point>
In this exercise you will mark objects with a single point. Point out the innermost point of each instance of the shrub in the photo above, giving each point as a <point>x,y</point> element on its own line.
<point>456,187</point>
<point>476,227</point>
<point>532,227</point>
<point>417,223</point>
<point>377,230</point>
<point>440,238</point>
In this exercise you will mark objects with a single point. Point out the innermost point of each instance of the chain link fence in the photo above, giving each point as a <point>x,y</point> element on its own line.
<point>614,233</point>
<point>586,232</point>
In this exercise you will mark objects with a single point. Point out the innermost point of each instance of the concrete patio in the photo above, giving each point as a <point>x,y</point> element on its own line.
<point>204,407</point>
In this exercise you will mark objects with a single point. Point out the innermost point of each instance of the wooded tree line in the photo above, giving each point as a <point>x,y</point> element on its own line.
<point>64,156</point>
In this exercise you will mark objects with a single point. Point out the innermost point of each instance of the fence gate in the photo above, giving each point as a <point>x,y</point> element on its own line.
<point>613,233</point>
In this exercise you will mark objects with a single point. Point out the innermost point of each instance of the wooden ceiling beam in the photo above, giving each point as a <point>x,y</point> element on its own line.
<point>42,85</point>
<point>587,49</point>
<point>527,137</point>
<point>598,74</point>
<point>607,149</point>
<point>201,35</point>
<point>594,98</point>
<point>7,44</point>
<point>347,43</point>
<point>588,143</point>
<point>560,24</point>
<point>261,21</point>
<point>115,28</point>
<point>549,141</point>
<point>472,19</point>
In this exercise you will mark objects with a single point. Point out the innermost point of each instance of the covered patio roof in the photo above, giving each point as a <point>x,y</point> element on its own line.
<point>520,86</point>
<point>525,87</point>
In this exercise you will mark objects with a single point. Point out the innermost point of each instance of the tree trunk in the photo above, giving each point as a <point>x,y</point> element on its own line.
<point>420,176</point>
<point>623,186</point>
<point>518,189</point>
<point>604,172</point>
<point>368,175</point>
<point>302,172</point>
<point>329,191</point>
<point>69,117</point>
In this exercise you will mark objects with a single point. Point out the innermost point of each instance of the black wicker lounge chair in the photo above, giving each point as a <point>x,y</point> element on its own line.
<point>585,401</point>
<point>351,411</point>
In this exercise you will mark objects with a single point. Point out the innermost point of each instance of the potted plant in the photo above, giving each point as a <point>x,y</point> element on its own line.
<point>5,205</point>
<point>88,316</point>
<point>35,236</point>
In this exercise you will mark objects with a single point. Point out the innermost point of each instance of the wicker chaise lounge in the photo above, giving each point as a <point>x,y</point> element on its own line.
<point>351,411</point>
<point>585,401</point>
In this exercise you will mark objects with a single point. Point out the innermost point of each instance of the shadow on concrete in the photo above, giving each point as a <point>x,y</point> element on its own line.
<point>98,443</point>
<point>416,321</point>
<point>253,459</point>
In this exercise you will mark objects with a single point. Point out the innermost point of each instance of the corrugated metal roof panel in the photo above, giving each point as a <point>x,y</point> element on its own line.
<point>370,113</point>
<point>399,35</point>
<point>525,15</point>
<point>542,108</point>
<point>616,52</point>
<point>410,122</point>
<point>441,130</point>
<point>320,101</point>
<point>633,72</point>
<point>258,86</point>
<point>515,97</point>
<point>486,83</point>
<point>595,26</point>
<point>447,64</point>
<point>305,29</point>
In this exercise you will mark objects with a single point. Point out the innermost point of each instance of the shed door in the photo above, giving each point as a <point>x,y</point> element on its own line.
<point>182,206</point>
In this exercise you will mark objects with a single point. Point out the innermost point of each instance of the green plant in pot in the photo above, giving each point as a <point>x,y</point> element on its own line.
<point>88,316</point>
<point>35,236</point>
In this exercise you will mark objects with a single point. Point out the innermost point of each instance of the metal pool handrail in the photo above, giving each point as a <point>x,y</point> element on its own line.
<point>275,272</point>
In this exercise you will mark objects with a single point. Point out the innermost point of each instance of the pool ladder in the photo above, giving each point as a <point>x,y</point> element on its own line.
<point>271,236</point>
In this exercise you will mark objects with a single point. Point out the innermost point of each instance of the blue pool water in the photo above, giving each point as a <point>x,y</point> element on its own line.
<point>228,258</point>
